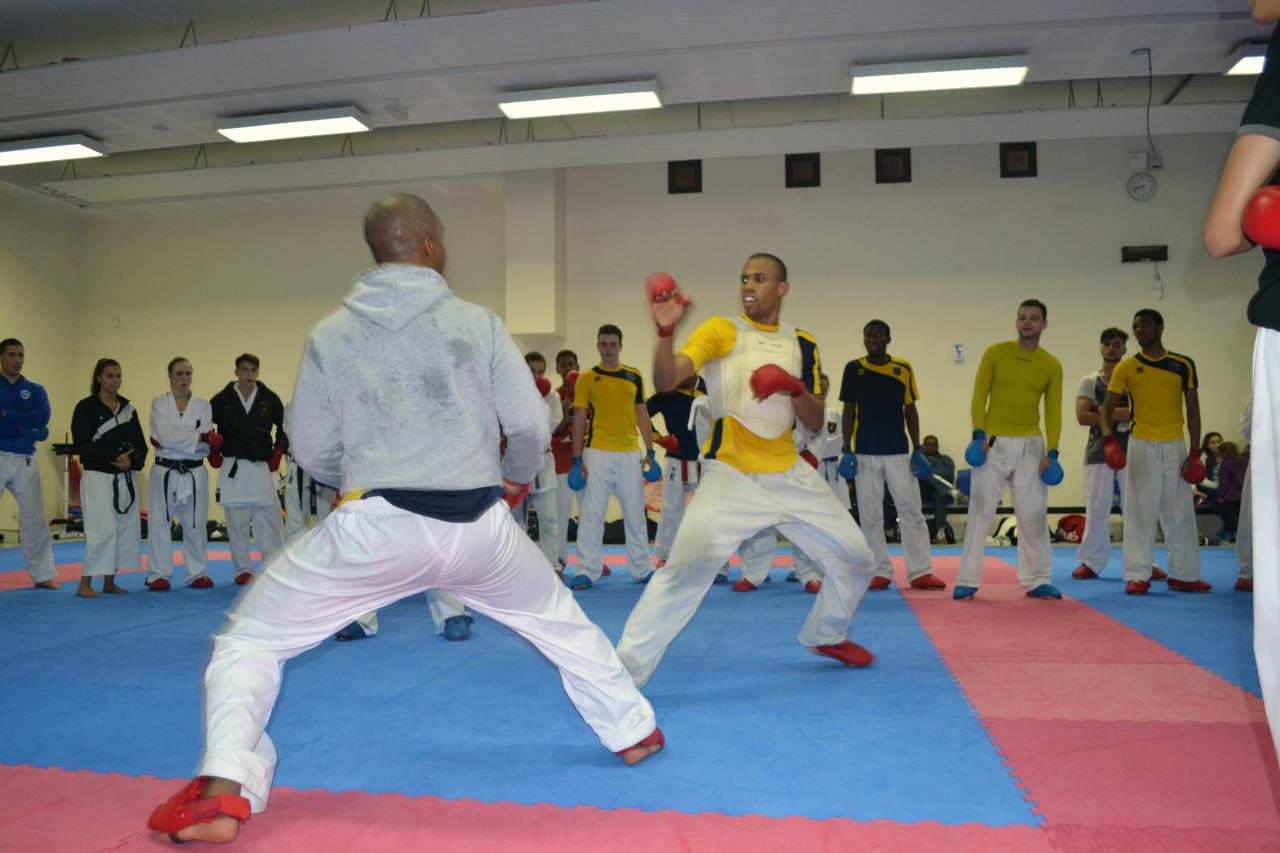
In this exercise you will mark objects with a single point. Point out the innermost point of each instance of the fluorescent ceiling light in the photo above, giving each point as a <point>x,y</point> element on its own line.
<point>74,146</point>
<point>573,100</point>
<point>1247,59</point>
<point>293,125</point>
<point>977,72</point>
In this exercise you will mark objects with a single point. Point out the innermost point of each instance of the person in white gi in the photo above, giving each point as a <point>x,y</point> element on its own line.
<point>304,496</point>
<point>543,490</point>
<point>181,431</point>
<point>562,453</point>
<point>24,420</point>
<point>761,375</point>
<point>246,411</point>
<point>109,441</point>
<point>423,507</point>
<point>1251,168</point>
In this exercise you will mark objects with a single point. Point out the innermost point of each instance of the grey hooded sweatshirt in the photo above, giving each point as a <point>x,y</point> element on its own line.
<point>406,386</point>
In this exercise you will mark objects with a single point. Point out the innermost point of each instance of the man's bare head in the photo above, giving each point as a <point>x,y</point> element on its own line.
<point>403,229</point>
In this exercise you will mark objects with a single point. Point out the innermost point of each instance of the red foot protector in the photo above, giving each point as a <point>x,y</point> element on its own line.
<point>187,808</point>
<point>848,653</point>
<point>655,738</point>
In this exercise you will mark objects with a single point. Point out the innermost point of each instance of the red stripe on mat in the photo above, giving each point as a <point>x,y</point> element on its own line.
<point>57,811</point>
<point>1121,743</point>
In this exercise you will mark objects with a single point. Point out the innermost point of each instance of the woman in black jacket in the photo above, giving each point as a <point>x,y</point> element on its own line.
<point>109,441</point>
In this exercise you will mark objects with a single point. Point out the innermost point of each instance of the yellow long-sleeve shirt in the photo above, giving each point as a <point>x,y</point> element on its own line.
<point>1008,388</point>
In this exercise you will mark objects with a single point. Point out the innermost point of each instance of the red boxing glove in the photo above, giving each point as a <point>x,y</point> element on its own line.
<point>1193,470</point>
<point>666,303</point>
<point>277,453</point>
<point>544,385</point>
<point>1112,453</point>
<point>213,439</point>
<point>1261,221</point>
<point>770,379</point>
<point>215,458</point>
<point>513,493</point>
<point>155,443</point>
<point>570,382</point>
<point>669,443</point>
<point>809,457</point>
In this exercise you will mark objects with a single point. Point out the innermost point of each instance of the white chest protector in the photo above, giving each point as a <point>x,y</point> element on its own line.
<point>729,378</point>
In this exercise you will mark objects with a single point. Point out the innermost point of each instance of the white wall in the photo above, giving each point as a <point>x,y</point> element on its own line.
<point>39,250</point>
<point>943,260</point>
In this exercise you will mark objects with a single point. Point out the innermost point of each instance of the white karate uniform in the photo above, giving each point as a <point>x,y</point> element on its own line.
<point>894,470</point>
<point>1264,470</point>
<point>175,494</point>
<point>544,492</point>
<point>825,445</point>
<point>757,554</point>
<point>328,577</point>
<point>564,510</point>
<point>617,473</point>
<point>1100,484</point>
<point>441,605</point>
<point>20,474</point>
<point>299,487</point>
<point>1244,530</point>
<point>680,481</point>
<point>252,509</point>
<point>1155,490</point>
<point>113,540</point>
<point>1014,462</point>
<point>729,508</point>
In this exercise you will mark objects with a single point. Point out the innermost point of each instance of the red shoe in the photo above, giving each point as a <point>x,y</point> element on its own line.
<point>848,653</point>
<point>879,582</point>
<point>1137,587</point>
<point>244,577</point>
<point>606,571</point>
<point>1244,584</point>
<point>812,587</point>
<point>1158,574</point>
<point>1188,586</point>
<point>1084,573</point>
<point>657,564</point>
<point>655,738</point>
<point>743,585</point>
<point>188,807</point>
<point>928,581</point>
<point>158,585</point>
<point>202,582</point>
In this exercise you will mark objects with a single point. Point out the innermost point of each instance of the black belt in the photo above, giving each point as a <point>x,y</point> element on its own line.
<point>181,464</point>
<point>115,492</point>
<point>180,467</point>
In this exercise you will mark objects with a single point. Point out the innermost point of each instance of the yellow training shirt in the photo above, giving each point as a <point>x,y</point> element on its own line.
<point>1156,388</point>
<point>731,442</point>
<point>610,398</point>
<point>1007,392</point>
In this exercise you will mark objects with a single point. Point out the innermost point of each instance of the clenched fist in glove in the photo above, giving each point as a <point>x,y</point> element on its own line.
<point>666,303</point>
<point>770,379</point>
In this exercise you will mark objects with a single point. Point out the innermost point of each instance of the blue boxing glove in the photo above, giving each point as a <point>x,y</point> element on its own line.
<point>976,453</point>
<point>1052,475</point>
<point>848,464</point>
<point>920,465</point>
<point>653,472</point>
<point>577,477</point>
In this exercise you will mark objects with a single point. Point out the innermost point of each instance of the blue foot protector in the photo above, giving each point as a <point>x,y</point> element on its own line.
<point>964,593</point>
<point>791,578</point>
<point>352,632</point>
<point>458,627</point>
<point>1045,590</point>
<point>644,579</point>
<point>580,582</point>
<point>722,579</point>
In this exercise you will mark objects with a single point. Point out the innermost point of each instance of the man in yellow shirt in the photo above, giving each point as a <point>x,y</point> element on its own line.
<point>608,412</point>
<point>1160,383</point>
<point>760,375</point>
<point>1008,449</point>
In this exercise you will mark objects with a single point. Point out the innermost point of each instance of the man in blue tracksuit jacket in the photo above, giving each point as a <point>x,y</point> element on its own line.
<point>24,420</point>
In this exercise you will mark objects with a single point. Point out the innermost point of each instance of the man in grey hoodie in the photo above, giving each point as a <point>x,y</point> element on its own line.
<point>400,399</point>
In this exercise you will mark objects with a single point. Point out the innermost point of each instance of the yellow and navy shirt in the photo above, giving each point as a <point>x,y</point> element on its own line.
<point>1156,388</point>
<point>610,398</point>
<point>1007,392</point>
<point>879,394</point>
<point>731,442</point>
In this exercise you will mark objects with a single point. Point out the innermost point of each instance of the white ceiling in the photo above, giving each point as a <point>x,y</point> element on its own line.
<point>725,67</point>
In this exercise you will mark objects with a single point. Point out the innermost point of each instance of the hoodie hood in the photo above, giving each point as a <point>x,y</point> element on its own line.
<point>393,295</point>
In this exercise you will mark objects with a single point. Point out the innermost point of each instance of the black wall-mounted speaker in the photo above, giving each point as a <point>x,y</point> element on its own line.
<point>1137,254</point>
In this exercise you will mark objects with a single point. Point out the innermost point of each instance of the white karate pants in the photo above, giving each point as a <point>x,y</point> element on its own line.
<point>297,509</point>
<point>366,555</point>
<point>1154,489</point>
<point>1244,530</point>
<point>112,540</point>
<point>679,481</point>
<point>263,521</point>
<point>20,474</point>
<point>757,554</point>
<point>192,513</point>
<point>618,474</point>
<point>1014,462</point>
<point>440,604</point>
<point>874,473</point>
<point>564,510</point>
<point>1264,469</point>
<point>730,507</point>
<point>1099,493</point>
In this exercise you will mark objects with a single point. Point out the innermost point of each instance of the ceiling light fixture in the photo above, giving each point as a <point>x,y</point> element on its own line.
<point>978,72</point>
<point>293,125</point>
<point>574,100</point>
<point>1247,59</point>
<point>74,146</point>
